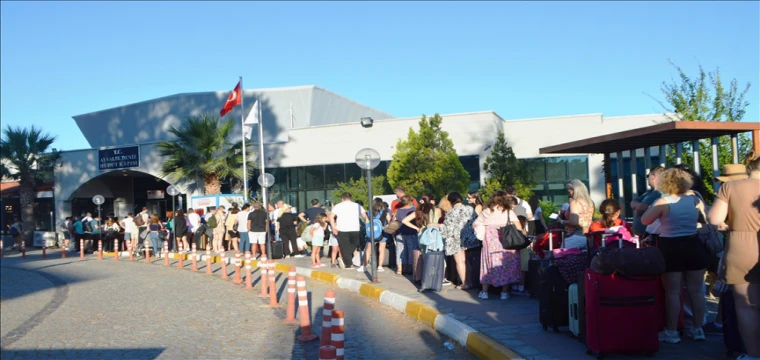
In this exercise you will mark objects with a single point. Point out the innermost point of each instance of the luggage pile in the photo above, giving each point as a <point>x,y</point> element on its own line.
<point>610,296</point>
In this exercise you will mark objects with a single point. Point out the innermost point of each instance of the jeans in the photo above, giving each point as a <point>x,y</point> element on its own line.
<point>154,240</point>
<point>245,242</point>
<point>405,247</point>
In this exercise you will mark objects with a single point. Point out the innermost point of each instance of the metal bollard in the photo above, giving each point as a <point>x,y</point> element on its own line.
<point>303,311</point>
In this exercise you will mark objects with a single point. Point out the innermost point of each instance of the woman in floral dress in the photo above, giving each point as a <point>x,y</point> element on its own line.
<point>451,231</point>
<point>498,267</point>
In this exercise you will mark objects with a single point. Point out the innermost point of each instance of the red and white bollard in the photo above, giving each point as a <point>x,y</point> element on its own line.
<point>44,249</point>
<point>166,253</point>
<point>303,311</point>
<point>180,258</point>
<point>195,259</point>
<point>208,261</point>
<point>337,338</point>
<point>327,310</point>
<point>81,250</point>
<point>263,277</point>
<point>290,312</point>
<point>147,252</point>
<point>224,265</point>
<point>100,249</point>
<point>23,248</point>
<point>63,250</point>
<point>272,286</point>
<point>129,249</point>
<point>327,352</point>
<point>248,276</point>
<point>237,279</point>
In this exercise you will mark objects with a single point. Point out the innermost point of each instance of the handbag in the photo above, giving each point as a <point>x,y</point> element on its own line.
<point>392,227</point>
<point>511,238</point>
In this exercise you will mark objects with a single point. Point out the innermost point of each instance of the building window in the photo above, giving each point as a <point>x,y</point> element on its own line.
<point>552,174</point>
<point>315,177</point>
<point>334,174</point>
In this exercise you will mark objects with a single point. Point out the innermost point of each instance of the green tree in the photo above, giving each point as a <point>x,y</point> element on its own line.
<point>427,162</point>
<point>506,170</point>
<point>358,189</point>
<point>25,158</point>
<point>202,151</point>
<point>706,98</point>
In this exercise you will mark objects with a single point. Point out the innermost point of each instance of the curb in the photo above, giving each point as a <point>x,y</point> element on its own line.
<point>478,343</point>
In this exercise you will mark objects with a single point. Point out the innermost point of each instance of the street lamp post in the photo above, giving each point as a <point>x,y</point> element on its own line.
<point>99,200</point>
<point>266,180</point>
<point>368,159</point>
<point>173,191</point>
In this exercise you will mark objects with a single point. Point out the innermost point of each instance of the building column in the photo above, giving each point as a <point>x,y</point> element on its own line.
<point>663,155</point>
<point>608,177</point>
<point>734,149</point>
<point>634,171</point>
<point>620,174</point>
<point>756,141</point>
<point>695,157</point>
<point>647,165</point>
<point>679,153</point>
<point>715,164</point>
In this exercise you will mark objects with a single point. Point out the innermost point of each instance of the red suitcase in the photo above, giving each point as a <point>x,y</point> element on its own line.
<point>620,314</point>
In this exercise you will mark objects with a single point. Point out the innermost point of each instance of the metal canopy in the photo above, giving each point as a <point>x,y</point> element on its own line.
<point>656,135</point>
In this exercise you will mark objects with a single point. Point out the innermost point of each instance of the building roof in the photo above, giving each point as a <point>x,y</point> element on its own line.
<point>655,135</point>
<point>282,109</point>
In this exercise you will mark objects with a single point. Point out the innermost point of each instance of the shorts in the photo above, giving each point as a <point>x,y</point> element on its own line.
<point>127,236</point>
<point>66,235</point>
<point>333,240</point>
<point>524,259</point>
<point>232,234</point>
<point>257,237</point>
<point>683,253</point>
<point>317,241</point>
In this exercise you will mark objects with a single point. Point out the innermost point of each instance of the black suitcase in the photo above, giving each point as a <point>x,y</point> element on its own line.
<point>277,250</point>
<point>432,272</point>
<point>536,266</point>
<point>472,257</point>
<point>553,299</point>
<point>731,337</point>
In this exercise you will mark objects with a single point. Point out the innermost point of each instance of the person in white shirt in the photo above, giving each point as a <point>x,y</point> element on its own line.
<point>241,224</point>
<point>528,211</point>
<point>194,219</point>
<point>130,231</point>
<point>344,220</point>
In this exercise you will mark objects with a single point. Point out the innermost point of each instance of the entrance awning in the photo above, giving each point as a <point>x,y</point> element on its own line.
<point>13,188</point>
<point>650,136</point>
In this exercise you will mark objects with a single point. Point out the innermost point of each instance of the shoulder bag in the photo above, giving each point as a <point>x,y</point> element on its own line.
<point>511,238</point>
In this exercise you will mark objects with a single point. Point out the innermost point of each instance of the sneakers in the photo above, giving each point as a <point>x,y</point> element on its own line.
<point>670,337</point>
<point>360,269</point>
<point>380,269</point>
<point>504,296</point>
<point>341,264</point>
<point>483,295</point>
<point>298,256</point>
<point>697,334</point>
<point>712,328</point>
<point>446,282</point>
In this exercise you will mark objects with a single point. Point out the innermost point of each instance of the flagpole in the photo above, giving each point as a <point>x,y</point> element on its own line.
<point>242,133</point>
<point>264,204</point>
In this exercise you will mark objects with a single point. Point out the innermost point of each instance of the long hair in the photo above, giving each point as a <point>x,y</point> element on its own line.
<point>478,198</point>
<point>377,206</point>
<point>499,199</point>
<point>422,215</point>
<point>609,209</point>
<point>580,191</point>
<point>534,202</point>
<point>154,219</point>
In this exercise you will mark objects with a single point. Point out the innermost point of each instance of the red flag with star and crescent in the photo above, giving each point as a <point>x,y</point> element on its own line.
<point>232,100</point>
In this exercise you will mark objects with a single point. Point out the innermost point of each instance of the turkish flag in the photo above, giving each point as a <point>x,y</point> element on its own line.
<point>233,100</point>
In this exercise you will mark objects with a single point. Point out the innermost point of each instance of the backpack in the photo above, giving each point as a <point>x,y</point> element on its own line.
<point>14,231</point>
<point>212,223</point>
<point>86,226</point>
<point>306,234</point>
<point>431,238</point>
<point>139,220</point>
<point>377,226</point>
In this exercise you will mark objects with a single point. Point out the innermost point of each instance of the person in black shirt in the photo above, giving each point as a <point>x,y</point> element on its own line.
<point>309,215</point>
<point>287,227</point>
<point>257,227</point>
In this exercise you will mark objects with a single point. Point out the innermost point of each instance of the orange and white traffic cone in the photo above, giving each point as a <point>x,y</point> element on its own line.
<point>115,249</point>
<point>303,311</point>
<point>44,249</point>
<point>290,313</point>
<point>195,259</point>
<point>208,261</point>
<point>327,309</point>
<point>224,265</point>
<point>180,259</point>
<point>327,352</point>
<point>100,249</point>
<point>337,338</point>
<point>23,248</point>
<point>147,252</point>
<point>264,276</point>
<point>166,253</point>
<point>272,286</point>
<point>129,249</point>
<point>81,250</point>
<point>63,251</point>
<point>248,276</point>
<point>237,279</point>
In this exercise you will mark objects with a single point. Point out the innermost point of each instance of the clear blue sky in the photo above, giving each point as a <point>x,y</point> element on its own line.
<point>522,60</point>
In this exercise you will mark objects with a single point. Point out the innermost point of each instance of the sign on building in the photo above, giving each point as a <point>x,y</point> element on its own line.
<point>155,194</point>
<point>119,158</point>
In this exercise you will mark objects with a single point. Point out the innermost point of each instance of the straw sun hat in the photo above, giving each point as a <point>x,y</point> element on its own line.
<point>733,172</point>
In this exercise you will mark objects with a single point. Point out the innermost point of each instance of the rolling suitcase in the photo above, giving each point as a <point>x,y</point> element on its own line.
<point>553,299</point>
<point>432,272</point>
<point>619,312</point>
<point>577,296</point>
<point>731,337</point>
<point>277,250</point>
<point>537,266</point>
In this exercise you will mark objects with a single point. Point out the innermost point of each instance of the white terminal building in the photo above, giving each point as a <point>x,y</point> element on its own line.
<point>311,136</point>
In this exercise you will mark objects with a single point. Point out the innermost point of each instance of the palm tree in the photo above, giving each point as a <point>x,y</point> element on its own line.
<point>202,151</point>
<point>24,158</point>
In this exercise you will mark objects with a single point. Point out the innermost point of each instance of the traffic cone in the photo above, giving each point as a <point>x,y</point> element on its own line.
<point>248,276</point>
<point>81,250</point>
<point>208,260</point>
<point>44,249</point>
<point>264,276</point>
<point>237,279</point>
<point>303,311</point>
<point>337,338</point>
<point>180,258</point>
<point>327,352</point>
<point>147,252</point>
<point>327,310</point>
<point>224,265</point>
<point>195,259</point>
<point>23,248</point>
<point>129,249</point>
<point>115,249</point>
<point>272,286</point>
<point>290,313</point>
<point>63,251</point>
<point>166,253</point>
<point>100,249</point>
